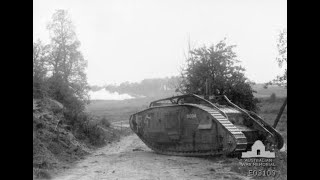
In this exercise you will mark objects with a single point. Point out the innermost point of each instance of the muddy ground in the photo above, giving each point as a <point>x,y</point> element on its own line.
<point>129,158</point>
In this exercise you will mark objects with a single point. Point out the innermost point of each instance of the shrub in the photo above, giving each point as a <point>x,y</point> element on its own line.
<point>92,133</point>
<point>273,97</point>
<point>85,128</point>
<point>105,122</point>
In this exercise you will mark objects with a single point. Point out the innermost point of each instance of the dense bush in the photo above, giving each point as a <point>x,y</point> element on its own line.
<point>216,67</point>
<point>85,128</point>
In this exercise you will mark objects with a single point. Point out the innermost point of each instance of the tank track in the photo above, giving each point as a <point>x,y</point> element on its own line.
<point>234,131</point>
<point>240,138</point>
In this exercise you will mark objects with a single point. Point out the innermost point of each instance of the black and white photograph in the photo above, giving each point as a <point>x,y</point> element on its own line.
<point>160,89</point>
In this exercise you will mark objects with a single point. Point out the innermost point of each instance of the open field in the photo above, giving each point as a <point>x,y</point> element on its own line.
<point>115,110</point>
<point>265,93</point>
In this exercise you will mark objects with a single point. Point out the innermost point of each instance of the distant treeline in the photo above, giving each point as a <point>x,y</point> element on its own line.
<point>167,87</point>
<point>147,87</point>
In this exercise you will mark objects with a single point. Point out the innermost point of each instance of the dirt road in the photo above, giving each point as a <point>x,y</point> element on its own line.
<point>121,124</point>
<point>131,159</point>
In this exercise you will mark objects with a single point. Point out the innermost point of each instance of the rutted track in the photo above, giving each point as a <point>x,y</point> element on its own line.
<point>130,158</point>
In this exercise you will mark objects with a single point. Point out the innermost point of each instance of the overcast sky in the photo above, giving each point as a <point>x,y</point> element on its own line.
<point>130,40</point>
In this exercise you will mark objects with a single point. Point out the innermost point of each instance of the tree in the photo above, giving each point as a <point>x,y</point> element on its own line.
<point>282,58</point>
<point>281,80</point>
<point>217,66</point>
<point>40,57</point>
<point>68,82</point>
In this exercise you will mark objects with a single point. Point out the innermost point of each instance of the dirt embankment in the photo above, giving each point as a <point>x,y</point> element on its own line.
<point>131,159</point>
<point>55,145</point>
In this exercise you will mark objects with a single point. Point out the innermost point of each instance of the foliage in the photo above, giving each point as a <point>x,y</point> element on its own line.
<point>40,56</point>
<point>86,128</point>
<point>67,62</point>
<point>59,73</point>
<point>59,67</point>
<point>282,60</point>
<point>218,65</point>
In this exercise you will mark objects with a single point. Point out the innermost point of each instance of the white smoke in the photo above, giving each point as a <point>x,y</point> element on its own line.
<point>106,95</point>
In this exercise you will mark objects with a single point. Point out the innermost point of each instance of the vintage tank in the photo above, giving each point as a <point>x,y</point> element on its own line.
<point>189,125</point>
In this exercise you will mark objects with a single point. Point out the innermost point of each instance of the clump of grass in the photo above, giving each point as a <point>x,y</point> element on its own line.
<point>105,122</point>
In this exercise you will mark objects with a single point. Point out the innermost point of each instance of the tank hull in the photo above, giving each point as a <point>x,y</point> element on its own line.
<point>200,128</point>
<point>187,130</point>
